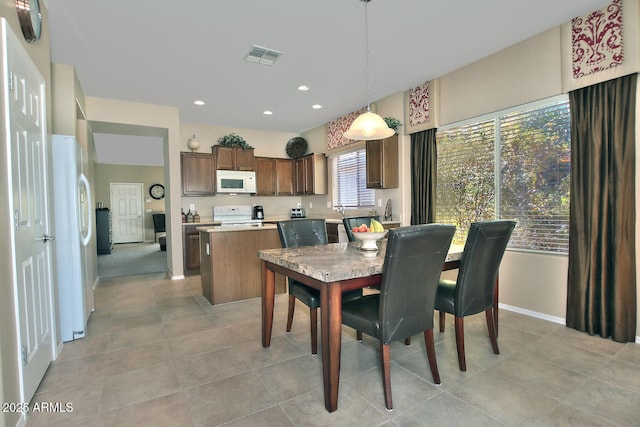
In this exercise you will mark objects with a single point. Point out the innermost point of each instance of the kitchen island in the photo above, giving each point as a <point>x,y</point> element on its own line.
<point>229,267</point>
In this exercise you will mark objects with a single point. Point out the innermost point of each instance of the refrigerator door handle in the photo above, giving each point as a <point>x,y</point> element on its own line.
<point>46,237</point>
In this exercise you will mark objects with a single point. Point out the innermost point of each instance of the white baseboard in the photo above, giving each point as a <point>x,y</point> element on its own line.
<point>542,316</point>
<point>532,313</point>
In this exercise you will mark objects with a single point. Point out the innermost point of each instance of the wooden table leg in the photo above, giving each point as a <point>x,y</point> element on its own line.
<point>495,307</point>
<point>268,297</point>
<point>331,323</point>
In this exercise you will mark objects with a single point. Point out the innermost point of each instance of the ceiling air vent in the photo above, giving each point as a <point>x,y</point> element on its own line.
<point>262,55</point>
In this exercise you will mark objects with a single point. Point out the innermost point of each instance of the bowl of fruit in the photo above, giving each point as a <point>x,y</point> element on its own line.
<point>369,235</point>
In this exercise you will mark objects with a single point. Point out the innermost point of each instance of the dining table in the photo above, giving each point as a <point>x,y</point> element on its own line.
<point>331,269</point>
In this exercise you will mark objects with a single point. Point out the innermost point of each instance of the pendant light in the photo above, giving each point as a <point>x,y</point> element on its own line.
<point>368,125</point>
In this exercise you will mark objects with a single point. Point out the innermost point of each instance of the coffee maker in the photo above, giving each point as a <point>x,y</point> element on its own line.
<point>258,212</point>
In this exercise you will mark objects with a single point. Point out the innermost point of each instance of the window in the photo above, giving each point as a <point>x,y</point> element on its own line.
<point>513,165</point>
<point>349,178</point>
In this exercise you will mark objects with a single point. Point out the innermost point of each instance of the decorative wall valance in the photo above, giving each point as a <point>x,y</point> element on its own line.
<point>600,46</point>
<point>336,129</point>
<point>421,107</point>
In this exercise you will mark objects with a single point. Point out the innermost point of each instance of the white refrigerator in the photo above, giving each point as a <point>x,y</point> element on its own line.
<point>73,211</point>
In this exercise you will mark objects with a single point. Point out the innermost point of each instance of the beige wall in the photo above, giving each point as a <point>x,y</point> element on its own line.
<point>105,174</point>
<point>526,72</point>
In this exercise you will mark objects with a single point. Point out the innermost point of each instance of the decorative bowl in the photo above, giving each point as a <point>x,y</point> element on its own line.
<point>369,239</point>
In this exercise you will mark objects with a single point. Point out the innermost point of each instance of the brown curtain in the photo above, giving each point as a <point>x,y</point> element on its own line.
<point>601,291</point>
<point>424,159</point>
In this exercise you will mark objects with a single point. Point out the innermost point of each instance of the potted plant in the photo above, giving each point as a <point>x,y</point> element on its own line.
<point>392,123</point>
<point>233,140</point>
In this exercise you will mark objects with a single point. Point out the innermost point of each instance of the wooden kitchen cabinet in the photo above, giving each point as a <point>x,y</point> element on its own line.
<point>265,176</point>
<point>274,176</point>
<point>311,174</point>
<point>234,158</point>
<point>198,172</point>
<point>332,232</point>
<point>191,249</point>
<point>382,163</point>
<point>284,177</point>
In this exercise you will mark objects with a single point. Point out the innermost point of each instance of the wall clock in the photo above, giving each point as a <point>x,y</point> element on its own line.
<point>156,191</point>
<point>30,19</point>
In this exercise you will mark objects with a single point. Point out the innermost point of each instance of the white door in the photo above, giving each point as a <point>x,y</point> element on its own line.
<point>126,206</point>
<point>31,222</point>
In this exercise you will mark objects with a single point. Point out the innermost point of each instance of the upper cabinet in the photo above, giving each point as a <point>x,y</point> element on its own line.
<point>274,176</point>
<point>233,158</point>
<point>382,163</point>
<point>311,174</point>
<point>198,174</point>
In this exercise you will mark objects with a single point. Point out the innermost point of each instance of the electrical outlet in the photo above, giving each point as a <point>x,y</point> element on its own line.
<point>310,205</point>
<point>328,205</point>
<point>192,206</point>
<point>379,203</point>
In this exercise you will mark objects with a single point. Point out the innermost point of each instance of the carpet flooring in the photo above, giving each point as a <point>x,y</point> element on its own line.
<point>132,259</point>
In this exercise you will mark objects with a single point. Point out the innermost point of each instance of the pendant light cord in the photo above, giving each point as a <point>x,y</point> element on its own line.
<point>366,56</point>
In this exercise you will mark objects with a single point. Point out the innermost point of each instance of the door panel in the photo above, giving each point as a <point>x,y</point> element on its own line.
<point>24,92</point>
<point>126,200</point>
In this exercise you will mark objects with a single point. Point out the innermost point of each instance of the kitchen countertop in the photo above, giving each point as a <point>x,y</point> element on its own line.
<point>269,223</point>
<point>220,229</point>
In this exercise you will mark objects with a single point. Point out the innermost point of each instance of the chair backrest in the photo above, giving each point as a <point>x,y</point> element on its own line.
<point>302,232</point>
<point>352,221</point>
<point>483,251</point>
<point>158,222</point>
<point>412,266</point>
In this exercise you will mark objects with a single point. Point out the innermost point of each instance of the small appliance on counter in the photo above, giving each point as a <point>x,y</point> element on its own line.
<point>297,213</point>
<point>258,212</point>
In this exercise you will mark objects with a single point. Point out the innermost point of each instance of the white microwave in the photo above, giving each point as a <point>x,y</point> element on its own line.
<point>235,182</point>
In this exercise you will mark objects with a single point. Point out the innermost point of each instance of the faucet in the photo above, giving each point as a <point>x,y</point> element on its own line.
<point>340,209</point>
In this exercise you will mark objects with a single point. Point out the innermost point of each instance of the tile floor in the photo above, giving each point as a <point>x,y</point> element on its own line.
<point>157,354</point>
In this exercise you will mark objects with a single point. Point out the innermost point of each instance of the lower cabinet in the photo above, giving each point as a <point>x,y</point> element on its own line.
<point>332,232</point>
<point>191,249</point>
<point>230,269</point>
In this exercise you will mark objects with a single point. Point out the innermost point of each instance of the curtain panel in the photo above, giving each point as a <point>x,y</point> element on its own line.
<point>601,289</point>
<point>424,160</point>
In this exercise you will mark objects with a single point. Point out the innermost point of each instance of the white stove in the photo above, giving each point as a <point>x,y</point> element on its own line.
<point>235,216</point>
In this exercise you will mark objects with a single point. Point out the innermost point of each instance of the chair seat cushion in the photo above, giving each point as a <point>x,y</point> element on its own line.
<point>445,298</point>
<point>311,297</point>
<point>362,314</point>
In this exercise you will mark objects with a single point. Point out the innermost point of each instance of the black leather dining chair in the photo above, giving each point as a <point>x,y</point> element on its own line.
<point>351,221</point>
<point>404,307</point>
<point>306,232</point>
<point>158,225</point>
<point>473,291</point>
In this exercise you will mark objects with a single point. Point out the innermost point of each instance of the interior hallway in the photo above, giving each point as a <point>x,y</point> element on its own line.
<point>158,354</point>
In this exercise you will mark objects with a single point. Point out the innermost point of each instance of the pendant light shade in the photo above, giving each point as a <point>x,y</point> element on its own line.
<point>369,125</point>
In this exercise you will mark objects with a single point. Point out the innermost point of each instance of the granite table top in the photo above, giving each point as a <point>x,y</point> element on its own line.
<point>336,261</point>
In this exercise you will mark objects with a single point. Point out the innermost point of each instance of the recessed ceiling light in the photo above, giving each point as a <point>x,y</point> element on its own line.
<point>316,106</point>
<point>303,87</point>
<point>267,113</point>
<point>198,102</point>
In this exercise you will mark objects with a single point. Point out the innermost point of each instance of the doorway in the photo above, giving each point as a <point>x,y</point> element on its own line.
<point>126,204</point>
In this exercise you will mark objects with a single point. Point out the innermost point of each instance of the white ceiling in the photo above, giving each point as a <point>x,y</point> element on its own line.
<point>173,52</point>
